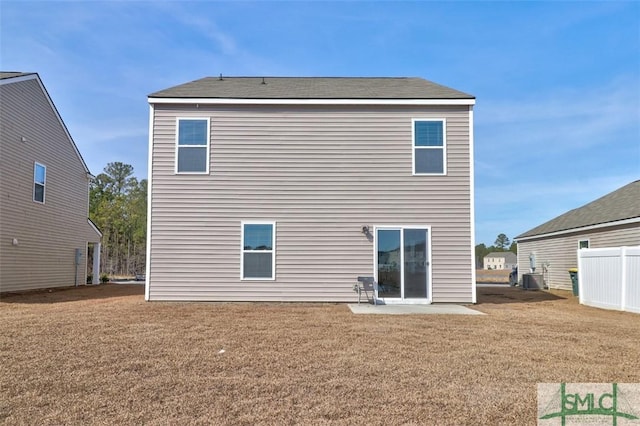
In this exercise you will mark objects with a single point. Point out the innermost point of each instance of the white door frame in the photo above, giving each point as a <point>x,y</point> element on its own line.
<point>402,300</point>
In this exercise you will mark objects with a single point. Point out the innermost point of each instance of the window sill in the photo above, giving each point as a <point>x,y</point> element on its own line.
<point>257,279</point>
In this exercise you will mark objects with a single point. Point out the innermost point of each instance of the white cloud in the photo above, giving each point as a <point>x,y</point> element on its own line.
<point>516,207</point>
<point>94,133</point>
<point>200,21</point>
<point>584,188</point>
<point>552,137</point>
<point>569,115</point>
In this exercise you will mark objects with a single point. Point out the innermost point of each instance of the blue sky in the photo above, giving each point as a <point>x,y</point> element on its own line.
<point>557,119</point>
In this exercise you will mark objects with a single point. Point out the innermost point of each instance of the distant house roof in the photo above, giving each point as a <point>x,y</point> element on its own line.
<point>312,88</point>
<point>619,205</point>
<point>508,256</point>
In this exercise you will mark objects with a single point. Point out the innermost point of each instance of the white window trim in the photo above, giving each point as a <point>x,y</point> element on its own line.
<point>401,228</point>
<point>414,147</point>
<point>582,240</point>
<point>178,120</point>
<point>44,191</point>
<point>272,251</point>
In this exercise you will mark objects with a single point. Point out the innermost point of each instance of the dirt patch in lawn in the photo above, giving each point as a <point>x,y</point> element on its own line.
<point>102,355</point>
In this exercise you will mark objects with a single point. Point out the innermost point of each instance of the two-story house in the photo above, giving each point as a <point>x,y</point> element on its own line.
<point>288,189</point>
<point>44,190</point>
<point>500,260</point>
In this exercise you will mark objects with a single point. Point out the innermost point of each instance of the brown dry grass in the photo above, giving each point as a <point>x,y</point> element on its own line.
<point>492,275</point>
<point>101,355</point>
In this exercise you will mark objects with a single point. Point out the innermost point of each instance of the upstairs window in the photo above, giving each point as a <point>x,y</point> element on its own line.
<point>429,147</point>
<point>39,182</point>
<point>258,251</point>
<point>192,145</point>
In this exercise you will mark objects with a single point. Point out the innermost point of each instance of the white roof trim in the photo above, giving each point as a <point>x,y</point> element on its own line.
<point>36,77</point>
<point>147,267</point>
<point>18,79</point>
<point>581,229</point>
<point>270,101</point>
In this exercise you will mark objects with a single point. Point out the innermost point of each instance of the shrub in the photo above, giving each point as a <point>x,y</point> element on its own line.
<point>104,278</point>
<point>89,278</point>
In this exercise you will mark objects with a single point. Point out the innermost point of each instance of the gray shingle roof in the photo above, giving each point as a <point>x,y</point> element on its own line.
<point>621,204</point>
<point>507,255</point>
<point>311,88</point>
<point>11,74</point>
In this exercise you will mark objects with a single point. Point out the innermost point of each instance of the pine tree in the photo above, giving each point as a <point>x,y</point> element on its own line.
<point>502,242</point>
<point>118,206</point>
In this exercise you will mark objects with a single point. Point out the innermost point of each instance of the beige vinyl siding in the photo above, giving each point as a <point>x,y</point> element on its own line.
<point>320,173</point>
<point>561,251</point>
<point>48,233</point>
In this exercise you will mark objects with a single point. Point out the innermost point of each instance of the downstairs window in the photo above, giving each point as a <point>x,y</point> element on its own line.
<point>258,251</point>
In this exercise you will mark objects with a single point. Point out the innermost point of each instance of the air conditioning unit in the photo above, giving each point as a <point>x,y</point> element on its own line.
<point>532,281</point>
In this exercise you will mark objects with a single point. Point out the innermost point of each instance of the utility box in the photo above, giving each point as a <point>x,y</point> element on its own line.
<point>532,282</point>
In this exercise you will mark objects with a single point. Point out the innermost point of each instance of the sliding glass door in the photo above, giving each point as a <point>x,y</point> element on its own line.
<point>389,263</point>
<point>402,263</point>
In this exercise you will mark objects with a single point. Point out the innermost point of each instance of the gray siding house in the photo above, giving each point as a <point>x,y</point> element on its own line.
<point>44,185</point>
<point>289,189</point>
<point>610,221</point>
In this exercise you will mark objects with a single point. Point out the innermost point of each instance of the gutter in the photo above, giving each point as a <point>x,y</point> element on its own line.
<point>275,101</point>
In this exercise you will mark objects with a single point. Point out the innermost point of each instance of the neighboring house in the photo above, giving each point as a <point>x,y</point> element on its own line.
<point>610,221</point>
<point>500,260</point>
<point>288,189</point>
<point>44,185</point>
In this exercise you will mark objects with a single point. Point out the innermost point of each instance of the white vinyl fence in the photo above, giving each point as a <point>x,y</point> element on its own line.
<point>609,278</point>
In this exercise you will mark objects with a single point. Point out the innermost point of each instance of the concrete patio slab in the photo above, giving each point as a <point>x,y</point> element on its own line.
<point>449,309</point>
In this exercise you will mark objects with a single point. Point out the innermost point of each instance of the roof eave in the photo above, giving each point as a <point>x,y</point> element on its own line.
<point>18,78</point>
<point>525,237</point>
<point>310,101</point>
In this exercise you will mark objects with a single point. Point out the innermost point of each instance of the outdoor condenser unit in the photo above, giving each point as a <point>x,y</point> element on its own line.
<point>532,282</point>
